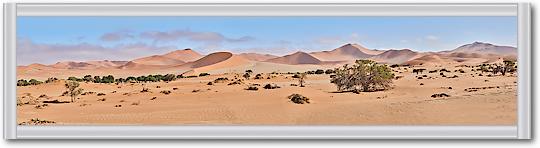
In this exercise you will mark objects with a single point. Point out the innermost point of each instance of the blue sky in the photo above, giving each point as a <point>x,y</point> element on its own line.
<point>50,39</point>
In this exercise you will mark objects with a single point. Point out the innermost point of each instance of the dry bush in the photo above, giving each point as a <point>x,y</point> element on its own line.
<point>440,95</point>
<point>165,92</point>
<point>271,86</point>
<point>252,88</point>
<point>298,99</point>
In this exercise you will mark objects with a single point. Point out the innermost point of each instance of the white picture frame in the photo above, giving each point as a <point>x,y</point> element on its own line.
<point>522,130</point>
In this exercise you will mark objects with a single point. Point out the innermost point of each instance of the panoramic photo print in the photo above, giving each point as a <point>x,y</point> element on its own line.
<point>266,70</point>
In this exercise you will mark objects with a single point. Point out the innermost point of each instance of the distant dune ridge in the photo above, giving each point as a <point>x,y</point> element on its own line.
<point>346,53</point>
<point>188,61</point>
<point>485,48</point>
<point>257,56</point>
<point>296,59</point>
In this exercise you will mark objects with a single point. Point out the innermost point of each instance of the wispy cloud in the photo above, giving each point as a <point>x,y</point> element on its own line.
<point>207,37</point>
<point>116,36</point>
<point>29,52</point>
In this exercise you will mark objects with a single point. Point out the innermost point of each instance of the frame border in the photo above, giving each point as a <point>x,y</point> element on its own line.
<point>522,130</point>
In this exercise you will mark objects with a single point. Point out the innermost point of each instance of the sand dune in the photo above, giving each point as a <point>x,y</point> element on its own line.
<point>396,56</point>
<point>215,61</point>
<point>257,57</point>
<point>296,59</point>
<point>186,55</point>
<point>485,48</point>
<point>181,61</point>
<point>346,52</point>
<point>157,60</point>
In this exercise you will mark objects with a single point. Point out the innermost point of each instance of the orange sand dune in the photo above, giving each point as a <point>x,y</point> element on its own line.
<point>346,52</point>
<point>396,56</point>
<point>186,55</point>
<point>157,60</point>
<point>257,57</point>
<point>296,59</point>
<point>215,61</point>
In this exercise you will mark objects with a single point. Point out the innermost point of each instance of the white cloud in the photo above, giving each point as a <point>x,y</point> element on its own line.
<point>431,38</point>
<point>30,52</point>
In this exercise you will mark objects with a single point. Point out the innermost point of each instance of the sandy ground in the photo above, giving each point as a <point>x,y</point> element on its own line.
<point>408,103</point>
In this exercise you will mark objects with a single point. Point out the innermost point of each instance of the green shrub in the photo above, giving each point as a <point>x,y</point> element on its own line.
<point>364,75</point>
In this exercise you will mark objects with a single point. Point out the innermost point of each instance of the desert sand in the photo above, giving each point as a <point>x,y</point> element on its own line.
<point>474,97</point>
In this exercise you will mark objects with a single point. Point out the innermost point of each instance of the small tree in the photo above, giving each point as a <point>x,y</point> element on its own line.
<point>169,77</point>
<point>88,78</point>
<point>301,79</point>
<point>366,75</point>
<point>508,66</point>
<point>73,90</point>
<point>246,75</point>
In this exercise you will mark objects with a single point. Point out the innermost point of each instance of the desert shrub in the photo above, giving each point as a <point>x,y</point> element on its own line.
<point>50,80</point>
<point>221,80</point>
<point>22,82</point>
<point>440,95</point>
<point>165,92</point>
<point>418,70</point>
<point>153,98</point>
<point>271,86</point>
<point>329,71</point>
<point>258,76</point>
<point>145,90</point>
<point>246,75</point>
<point>190,76</point>
<point>249,71</point>
<point>296,76</point>
<point>168,77</point>
<point>37,121</point>
<point>203,74</point>
<point>179,76</point>
<point>365,75</point>
<point>100,94</point>
<point>444,70</point>
<point>509,66</point>
<point>209,83</point>
<point>102,99</point>
<point>319,71</point>
<point>73,89</point>
<point>74,79</point>
<point>237,82</point>
<point>34,82</point>
<point>88,78</point>
<point>252,87</point>
<point>298,99</point>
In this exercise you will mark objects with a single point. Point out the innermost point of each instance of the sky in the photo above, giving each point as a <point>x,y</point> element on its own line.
<point>47,40</point>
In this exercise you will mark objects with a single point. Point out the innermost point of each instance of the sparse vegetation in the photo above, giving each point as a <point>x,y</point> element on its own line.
<point>298,99</point>
<point>440,95</point>
<point>302,79</point>
<point>252,87</point>
<point>203,74</point>
<point>73,89</point>
<point>365,75</point>
<point>165,92</point>
<point>271,86</point>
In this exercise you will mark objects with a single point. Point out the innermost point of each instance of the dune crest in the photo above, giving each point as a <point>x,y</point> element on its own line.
<point>346,52</point>
<point>186,55</point>
<point>296,59</point>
